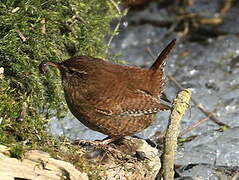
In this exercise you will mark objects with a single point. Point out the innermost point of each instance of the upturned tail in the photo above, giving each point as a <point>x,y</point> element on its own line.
<point>163,55</point>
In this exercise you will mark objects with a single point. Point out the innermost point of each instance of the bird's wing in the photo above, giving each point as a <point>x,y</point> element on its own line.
<point>131,103</point>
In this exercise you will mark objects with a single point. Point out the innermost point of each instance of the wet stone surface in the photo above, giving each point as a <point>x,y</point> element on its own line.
<point>209,68</point>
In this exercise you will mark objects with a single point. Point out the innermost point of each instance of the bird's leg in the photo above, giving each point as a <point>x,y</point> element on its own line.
<point>109,140</point>
<point>165,98</point>
<point>103,142</point>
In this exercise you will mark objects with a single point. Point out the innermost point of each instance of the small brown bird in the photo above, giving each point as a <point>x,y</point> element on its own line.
<point>113,99</point>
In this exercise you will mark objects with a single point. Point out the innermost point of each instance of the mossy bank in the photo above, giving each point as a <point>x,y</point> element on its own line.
<point>32,31</point>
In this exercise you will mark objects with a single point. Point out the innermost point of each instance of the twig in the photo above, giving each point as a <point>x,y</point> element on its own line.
<point>116,6</point>
<point>211,115</point>
<point>199,106</point>
<point>193,126</point>
<point>170,141</point>
<point>116,27</point>
<point>43,28</point>
<point>23,111</point>
<point>186,130</point>
<point>210,21</point>
<point>23,38</point>
<point>1,72</point>
<point>227,4</point>
<point>149,51</point>
<point>236,176</point>
<point>112,36</point>
<point>185,30</point>
<point>15,9</point>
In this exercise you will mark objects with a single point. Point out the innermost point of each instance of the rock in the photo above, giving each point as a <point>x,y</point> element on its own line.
<point>38,165</point>
<point>121,162</point>
<point>130,166</point>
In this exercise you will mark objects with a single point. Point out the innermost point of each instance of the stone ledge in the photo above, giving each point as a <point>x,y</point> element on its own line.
<point>38,165</point>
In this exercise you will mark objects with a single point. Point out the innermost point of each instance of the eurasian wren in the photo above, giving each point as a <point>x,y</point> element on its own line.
<point>113,99</point>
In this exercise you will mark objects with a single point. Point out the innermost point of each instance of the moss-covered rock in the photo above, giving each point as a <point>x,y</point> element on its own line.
<point>102,163</point>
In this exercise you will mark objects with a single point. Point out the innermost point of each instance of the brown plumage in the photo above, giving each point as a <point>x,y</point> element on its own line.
<point>113,99</point>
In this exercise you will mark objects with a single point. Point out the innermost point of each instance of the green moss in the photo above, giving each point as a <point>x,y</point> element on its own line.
<point>16,151</point>
<point>92,169</point>
<point>36,30</point>
<point>72,27</point>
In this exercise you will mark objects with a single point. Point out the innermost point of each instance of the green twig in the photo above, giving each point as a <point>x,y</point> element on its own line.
<point>180,105</point>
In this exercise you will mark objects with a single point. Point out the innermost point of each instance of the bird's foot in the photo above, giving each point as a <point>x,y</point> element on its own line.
<point>105,141</point>
<point>111,147</point>
<point>105,144</point>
